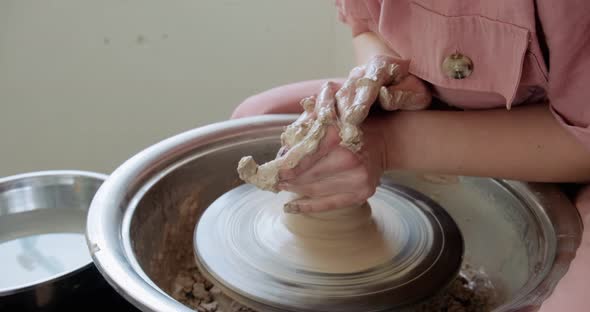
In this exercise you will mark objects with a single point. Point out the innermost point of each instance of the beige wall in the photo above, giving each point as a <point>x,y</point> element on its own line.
<point>86,84</point>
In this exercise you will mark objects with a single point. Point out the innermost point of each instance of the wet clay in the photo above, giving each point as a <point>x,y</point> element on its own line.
<point>346,240</point>
<point>471,291</point>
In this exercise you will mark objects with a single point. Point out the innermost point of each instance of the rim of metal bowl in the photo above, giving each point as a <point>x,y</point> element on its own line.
<point>41,174</point>
<point>566,227</point>
<point>112,209</point>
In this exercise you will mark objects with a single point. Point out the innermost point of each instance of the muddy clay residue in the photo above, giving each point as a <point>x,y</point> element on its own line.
<point>471,291</point>
<point>193,290</point>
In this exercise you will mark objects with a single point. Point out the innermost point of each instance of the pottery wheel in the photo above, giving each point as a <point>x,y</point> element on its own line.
<point>409,249</point>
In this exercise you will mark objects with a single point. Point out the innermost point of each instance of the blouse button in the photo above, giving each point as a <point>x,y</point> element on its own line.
<point>457,66</point>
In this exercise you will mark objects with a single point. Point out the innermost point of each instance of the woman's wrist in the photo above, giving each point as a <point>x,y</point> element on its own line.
<point>378,136</point>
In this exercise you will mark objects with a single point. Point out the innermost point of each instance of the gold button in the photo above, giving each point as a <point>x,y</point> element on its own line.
<point>457,66</point>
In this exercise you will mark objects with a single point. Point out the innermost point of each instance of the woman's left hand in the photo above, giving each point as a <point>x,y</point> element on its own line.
<point>334,176</point>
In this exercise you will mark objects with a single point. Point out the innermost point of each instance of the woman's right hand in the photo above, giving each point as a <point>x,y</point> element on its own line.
<point>384,80</point>
<point>406,93</point>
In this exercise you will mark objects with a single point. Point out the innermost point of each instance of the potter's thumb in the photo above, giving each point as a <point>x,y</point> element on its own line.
<point>402,70</point>
<point>410,94</point>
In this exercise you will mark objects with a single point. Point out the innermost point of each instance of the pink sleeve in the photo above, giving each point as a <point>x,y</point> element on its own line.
<point>566,25</point>
<point>355,14</point>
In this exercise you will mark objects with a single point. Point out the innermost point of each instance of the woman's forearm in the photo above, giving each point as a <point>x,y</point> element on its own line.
<point>367,45</point>
<point>280,100</point>
<point>523,144</point>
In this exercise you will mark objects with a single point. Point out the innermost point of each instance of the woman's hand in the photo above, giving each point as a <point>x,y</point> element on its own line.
<point>344,169</point>
<point>409,93</point>
<point>383,78</point>
<point>331,156</point>
<point>334,176</point>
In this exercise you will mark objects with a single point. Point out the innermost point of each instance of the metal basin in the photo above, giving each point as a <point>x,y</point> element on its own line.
<point>44,256</point>
<point>142,219</point>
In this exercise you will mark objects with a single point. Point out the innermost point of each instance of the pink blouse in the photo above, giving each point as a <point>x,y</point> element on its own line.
<point>521,51</point>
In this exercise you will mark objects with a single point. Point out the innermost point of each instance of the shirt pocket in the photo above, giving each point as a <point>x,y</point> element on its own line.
<point>497,51</point>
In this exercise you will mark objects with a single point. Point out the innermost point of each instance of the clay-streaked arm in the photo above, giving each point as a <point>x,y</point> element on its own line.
<point>523,144</point>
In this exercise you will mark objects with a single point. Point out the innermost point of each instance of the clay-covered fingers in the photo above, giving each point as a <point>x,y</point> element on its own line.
<point>351,186</point>
<point>409,94</point>
<point>331,178</point>
<point>308,104</point>
<point>296,131</point>
<point>329,141</point>
<point>325,105</point>
<point>378,72</point>
<point>386,69</point>
<point>338,159</point>
<point>301,142</point>
<point>345,96</point>
<point>322,106</point>
<point>308,145</point>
